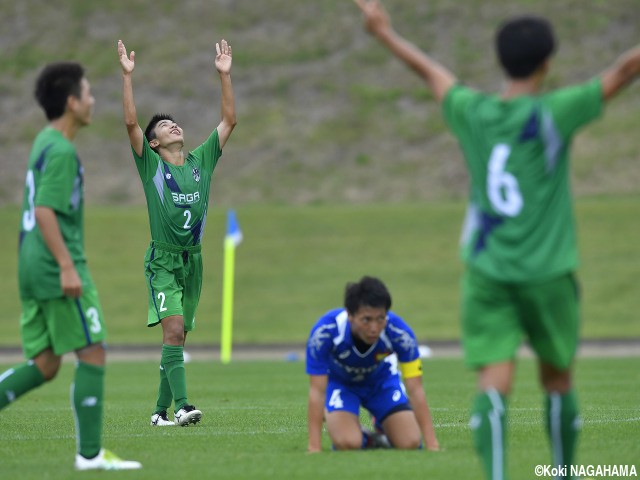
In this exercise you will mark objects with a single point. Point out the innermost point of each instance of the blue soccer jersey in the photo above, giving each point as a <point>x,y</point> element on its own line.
<point>331,350</point>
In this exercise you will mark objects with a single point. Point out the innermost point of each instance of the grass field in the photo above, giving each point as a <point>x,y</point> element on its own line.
<point>254,425</point>
<point>294,262</point>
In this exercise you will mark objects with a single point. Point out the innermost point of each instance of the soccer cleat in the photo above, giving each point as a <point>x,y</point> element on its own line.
<point>376,439</point>
<point>105,460</point>
<point>186,415</point>
<point>160,419</point>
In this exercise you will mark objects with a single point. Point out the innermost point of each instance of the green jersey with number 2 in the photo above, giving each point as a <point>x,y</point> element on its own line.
<point>520,223</point>
<point>178,196</point>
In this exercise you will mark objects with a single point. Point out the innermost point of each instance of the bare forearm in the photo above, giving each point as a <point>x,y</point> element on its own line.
<point>315,418</point>
<point>130,115</point>
<point>129,106</point>
<point>228,101</point>
<point>420,407</point>
<point>50,230</point>
<point>438,77</point>
<point>228,107</point>
<point>621,73</point>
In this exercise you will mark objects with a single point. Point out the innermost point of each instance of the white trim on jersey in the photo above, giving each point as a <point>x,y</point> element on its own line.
<point>342,320</point>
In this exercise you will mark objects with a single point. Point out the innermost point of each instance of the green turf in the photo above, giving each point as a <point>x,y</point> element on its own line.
<point>294,262</point>
<point>254,425</point>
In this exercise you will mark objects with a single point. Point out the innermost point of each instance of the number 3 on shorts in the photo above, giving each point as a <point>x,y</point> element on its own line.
<point>94,320</point>
<point>502,187</point>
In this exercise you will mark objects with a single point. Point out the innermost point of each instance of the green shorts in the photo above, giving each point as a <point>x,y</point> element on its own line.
<point>496,316</point>
<point>63,324</point>
<point>174,282</point>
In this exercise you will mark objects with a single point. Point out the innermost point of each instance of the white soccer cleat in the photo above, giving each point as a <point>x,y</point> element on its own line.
<point>160,419</point>
<point>105,460</point>
<point>186,415</point>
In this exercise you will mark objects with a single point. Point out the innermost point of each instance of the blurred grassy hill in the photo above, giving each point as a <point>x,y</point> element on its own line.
<point>325,114</point>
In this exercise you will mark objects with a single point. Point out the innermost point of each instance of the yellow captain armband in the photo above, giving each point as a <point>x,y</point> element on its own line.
<point>411,369</point>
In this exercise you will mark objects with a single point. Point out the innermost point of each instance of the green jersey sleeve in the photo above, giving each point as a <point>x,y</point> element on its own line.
<point>58,179</point>
<point>573,107</point>
<point>209,152</point>
<point>147,164</point>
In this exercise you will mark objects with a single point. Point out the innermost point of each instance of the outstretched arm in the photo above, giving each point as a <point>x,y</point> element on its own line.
<point>624,70</point>
<point>420,407</point>
<point>130,115</point>
<point>223,65</point>
<point>377,22</point>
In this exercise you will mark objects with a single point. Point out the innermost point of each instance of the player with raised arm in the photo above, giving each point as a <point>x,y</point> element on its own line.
<point>176,185</point>
<point>519,241</point>
<point>366,355</point>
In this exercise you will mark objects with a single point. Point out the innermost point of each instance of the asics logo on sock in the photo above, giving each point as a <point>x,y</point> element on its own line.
<point>11,395</point>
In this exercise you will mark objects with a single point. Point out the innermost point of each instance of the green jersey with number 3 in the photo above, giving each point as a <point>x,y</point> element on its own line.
<point>178,196</point>
<point>54,179</point>
<point>520,223</point>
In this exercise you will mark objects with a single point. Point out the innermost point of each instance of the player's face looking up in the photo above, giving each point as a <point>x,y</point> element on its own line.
<point>166,133</point>
<point>368,322</point>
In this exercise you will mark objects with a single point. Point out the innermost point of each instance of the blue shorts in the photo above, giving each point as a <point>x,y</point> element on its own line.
<point>381,399</point>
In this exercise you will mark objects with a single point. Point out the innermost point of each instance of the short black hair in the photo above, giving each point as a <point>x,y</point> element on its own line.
<point>54,85</point>
<point>523,44</point>
<point>149,132</point>
<point>369,291</point>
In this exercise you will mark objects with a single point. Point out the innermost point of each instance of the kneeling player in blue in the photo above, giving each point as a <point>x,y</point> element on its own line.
<point>365,355</point>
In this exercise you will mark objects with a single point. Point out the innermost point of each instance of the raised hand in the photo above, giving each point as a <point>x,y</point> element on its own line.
<point>376,18</point>
<point>223,57</point>
<point>127,63</point>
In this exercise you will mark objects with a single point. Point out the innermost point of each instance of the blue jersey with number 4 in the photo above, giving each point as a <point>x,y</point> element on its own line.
<point>331,350</point>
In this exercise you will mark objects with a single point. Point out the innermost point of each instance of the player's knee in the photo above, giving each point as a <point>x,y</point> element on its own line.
<point>173,330</point>
<point>49,370</point>
<point>174,337</point>
<point>48,363</point>
<point>555,380</point>
<point>347,442</point>
<point>407,442</point>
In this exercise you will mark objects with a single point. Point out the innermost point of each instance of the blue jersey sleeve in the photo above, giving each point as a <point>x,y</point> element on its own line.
<point>319,347</point>
<point>402,338</point>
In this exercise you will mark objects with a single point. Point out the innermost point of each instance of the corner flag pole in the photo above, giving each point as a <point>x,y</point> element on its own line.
<point>232,239</point>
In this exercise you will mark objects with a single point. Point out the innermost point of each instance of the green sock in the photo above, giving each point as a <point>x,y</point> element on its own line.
<point>87,393</point>
<point>164,392</point>
<point>173,363</point>
<point>17,381</point>
<point>563,425</point>
<point>488,421</point>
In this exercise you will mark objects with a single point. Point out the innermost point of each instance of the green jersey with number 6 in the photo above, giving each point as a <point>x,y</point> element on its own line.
<point>54,179</point>
<point>520,223</point>
<point>178,196</point>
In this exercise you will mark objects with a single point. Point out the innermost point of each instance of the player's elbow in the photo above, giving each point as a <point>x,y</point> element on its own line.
<point>131,124</point>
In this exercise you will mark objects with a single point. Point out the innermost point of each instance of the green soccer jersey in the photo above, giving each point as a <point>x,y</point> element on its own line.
<point>520,224</point>
<point>178,196</point>
<point>55,180</point>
